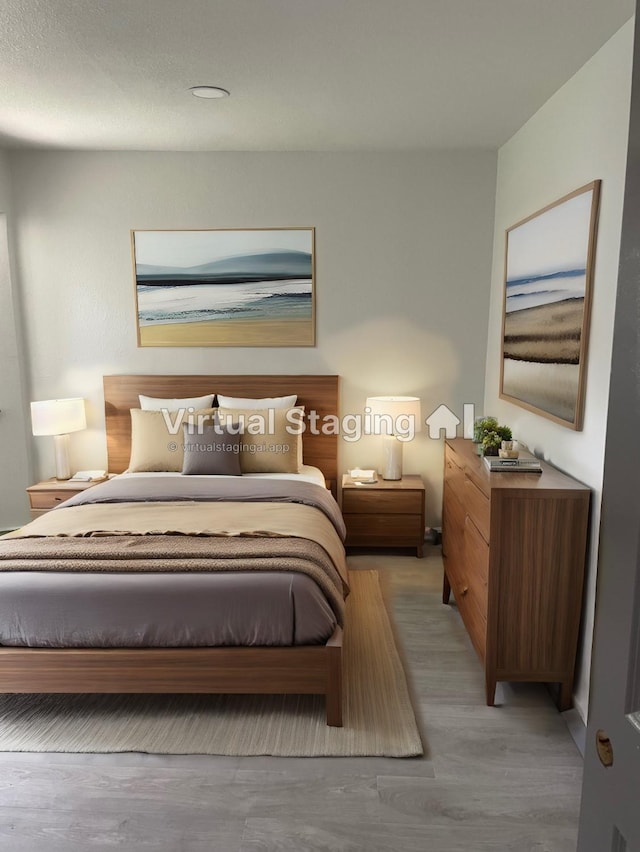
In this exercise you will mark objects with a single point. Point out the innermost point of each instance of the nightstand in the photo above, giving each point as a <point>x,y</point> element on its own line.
<point>389,513</point>
<point>44,496</point>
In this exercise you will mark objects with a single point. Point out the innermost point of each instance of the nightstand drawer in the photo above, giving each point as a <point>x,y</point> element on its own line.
<point>380,528</point>
<point>48,499</point>
<point>46,495</point>
<point>381,502</point>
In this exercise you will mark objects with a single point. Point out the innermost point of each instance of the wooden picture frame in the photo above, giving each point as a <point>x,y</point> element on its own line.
<point>548,275</point>
<point>225,286</point>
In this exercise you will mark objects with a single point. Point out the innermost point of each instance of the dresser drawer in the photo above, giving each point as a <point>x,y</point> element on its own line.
<point>467,579</point>
<point>379,502</point>
<point>454,474</point>
<point>452,522</point>
<point>477,507</point>
<point>476,565</point>
<point>474,620</point>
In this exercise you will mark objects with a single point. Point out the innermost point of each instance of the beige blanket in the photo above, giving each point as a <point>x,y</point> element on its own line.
<point>173,536</point>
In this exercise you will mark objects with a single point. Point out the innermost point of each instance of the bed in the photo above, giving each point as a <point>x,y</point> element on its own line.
<point>299,656</point>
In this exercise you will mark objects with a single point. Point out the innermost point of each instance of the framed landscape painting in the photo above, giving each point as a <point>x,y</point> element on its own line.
<point>547,306</point>
<point>225,287</point>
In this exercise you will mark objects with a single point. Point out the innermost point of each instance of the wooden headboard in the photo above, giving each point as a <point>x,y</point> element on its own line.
<point>316,393</point>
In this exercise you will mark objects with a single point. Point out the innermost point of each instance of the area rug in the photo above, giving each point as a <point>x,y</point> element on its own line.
<point>378,715</point>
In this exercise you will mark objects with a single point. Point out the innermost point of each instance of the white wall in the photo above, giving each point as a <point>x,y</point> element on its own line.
<point>403,250</point>
<point>580,134</point>
<point>14,470</point>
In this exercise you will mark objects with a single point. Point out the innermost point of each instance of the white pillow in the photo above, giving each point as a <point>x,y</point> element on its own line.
<point>265,402</point>
<point>152,403</point>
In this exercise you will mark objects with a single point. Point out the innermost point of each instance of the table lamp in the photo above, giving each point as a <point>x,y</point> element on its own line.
<point>390,416</point>
<point>58,417</point>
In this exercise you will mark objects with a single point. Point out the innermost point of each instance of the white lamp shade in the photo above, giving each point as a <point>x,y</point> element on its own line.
<point>391,414</point>
<point>58,416</point>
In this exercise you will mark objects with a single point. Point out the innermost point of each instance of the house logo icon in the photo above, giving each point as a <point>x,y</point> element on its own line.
<point>442,418</point>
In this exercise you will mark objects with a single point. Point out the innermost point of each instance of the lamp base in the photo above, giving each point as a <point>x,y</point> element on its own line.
<point>61,447</point>
<point>392,466</point>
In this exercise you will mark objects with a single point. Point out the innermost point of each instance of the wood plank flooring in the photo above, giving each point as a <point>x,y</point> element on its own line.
<point>492,779</point>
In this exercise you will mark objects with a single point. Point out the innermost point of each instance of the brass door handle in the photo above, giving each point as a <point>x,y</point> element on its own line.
<point>604,748</point>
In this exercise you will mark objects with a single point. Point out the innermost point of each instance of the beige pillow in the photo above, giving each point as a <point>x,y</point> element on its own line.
<point>157,439</point>
<point>266,446</point>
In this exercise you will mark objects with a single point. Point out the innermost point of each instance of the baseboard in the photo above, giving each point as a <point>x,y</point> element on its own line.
<point>577,729</point>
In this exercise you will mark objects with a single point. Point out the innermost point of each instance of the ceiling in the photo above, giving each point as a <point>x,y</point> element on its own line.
<point>303,74</point>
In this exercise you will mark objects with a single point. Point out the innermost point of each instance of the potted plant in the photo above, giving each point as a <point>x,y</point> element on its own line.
<point>488,434</point>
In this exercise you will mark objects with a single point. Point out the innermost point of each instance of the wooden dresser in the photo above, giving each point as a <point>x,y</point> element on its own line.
<point>514,547</point>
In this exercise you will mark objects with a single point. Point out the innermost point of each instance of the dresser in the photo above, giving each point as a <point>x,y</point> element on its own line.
<point>514,548</point>
<point>388,513</point>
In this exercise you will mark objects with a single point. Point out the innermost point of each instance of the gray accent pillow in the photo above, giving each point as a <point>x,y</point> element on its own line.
<point>211,452</point>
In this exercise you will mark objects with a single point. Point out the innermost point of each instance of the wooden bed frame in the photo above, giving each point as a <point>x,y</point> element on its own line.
<point>304,669</point>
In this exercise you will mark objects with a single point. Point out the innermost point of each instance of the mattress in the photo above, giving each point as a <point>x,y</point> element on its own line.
<point>79,608</point>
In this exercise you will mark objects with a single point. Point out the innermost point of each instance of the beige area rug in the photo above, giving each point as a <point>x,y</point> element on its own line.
<point>378,716</point>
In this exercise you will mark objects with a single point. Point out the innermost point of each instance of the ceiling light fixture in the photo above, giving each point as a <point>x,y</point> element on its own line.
<point>209,92</point>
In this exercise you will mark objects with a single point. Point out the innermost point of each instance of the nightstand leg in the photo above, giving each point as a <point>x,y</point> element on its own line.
<point>446,588</point>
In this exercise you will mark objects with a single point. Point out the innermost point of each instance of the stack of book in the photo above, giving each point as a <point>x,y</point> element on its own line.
<point>496,465</point>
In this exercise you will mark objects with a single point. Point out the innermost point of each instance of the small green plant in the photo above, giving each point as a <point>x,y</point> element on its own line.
<point>489,435</point>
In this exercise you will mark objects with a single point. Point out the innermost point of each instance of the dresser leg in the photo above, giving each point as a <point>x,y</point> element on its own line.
<point>565,697</point>
<point>446,588</point>
<point>490,687</point>
<point>420,551</point>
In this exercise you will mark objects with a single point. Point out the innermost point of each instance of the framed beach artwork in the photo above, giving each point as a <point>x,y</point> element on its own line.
<point>225,287</point>
<point>547,306</point>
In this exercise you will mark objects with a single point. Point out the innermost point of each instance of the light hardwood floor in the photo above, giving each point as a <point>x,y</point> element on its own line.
<point>493,779</point>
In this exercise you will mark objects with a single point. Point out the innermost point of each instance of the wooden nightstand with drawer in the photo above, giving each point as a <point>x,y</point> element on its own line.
<point>46,495</point>
<point>389,513</point>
